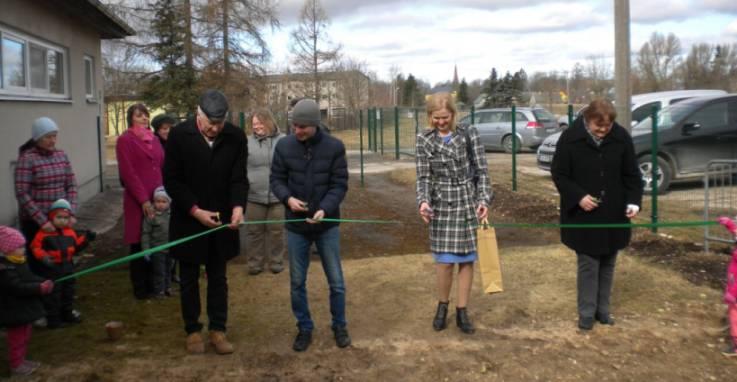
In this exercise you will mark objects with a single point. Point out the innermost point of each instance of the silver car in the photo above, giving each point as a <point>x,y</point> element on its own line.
<point>533,125</point>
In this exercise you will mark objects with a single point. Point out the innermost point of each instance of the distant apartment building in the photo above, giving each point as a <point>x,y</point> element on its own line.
<point>340,92</point>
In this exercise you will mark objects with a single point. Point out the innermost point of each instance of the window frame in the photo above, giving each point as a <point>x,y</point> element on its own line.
<point>89,96</point>
<point>28,91</point>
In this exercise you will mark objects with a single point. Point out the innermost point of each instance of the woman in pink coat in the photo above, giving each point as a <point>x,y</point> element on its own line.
<point>140,160</point>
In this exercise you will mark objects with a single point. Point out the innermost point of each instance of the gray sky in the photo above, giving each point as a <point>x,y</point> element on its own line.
<point>427,38</point>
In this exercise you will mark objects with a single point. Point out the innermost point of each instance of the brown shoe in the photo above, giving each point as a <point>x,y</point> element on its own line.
<point>195,344</point>
<point>220,343</point>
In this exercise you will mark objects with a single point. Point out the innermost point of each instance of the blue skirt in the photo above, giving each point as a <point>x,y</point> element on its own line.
<point>455,258</point>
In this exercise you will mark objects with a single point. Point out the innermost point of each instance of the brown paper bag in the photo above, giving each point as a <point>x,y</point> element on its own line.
<point>491,271</point>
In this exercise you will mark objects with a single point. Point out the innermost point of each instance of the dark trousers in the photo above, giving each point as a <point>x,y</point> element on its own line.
<point>217,294</point>
<point>594,283</point>
<point>60,302</point>
<point>29,229</point>
<point>140,271</point>
<point>160,272</point>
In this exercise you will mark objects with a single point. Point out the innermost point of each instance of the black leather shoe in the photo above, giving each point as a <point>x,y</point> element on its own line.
<point>585,323</point>
<point>463,322</point>
<point>604,319</point>
<point>302,341</point>
<point>439,322</point>
<point>342,339</point>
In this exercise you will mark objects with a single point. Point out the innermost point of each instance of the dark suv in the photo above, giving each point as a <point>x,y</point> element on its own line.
<point>690,134</point>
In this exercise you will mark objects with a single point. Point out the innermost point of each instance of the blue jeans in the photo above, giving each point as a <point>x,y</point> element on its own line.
<point>328,247</point>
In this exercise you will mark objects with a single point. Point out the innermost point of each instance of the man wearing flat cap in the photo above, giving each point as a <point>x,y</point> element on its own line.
<point>205,175</point>
<point>309,175</point>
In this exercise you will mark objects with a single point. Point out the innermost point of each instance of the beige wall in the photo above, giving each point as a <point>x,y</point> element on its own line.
<point>77,118</point>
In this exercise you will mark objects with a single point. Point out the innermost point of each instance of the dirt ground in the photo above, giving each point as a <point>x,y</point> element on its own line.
<point>666,302</point>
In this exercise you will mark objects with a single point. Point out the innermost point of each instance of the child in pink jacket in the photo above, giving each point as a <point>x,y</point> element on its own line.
<point>730,292</point>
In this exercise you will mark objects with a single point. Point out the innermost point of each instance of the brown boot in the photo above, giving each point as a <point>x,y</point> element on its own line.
<point>195,344</point>
<point>220,343</point>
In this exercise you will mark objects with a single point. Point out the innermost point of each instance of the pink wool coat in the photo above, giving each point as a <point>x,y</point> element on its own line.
<point>140,173</point>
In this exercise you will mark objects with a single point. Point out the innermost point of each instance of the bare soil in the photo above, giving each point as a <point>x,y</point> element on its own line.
<point>667,306</point>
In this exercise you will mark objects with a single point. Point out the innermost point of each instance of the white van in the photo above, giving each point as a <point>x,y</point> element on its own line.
<point>642,107</point>
<point>642,104</point>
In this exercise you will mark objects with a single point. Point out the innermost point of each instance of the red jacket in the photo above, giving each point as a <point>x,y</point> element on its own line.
<point>61,245</point>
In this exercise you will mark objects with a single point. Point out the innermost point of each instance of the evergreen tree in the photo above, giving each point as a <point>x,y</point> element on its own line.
<point>410,91</point>
<point>463,92</point>
<point>171,87</point>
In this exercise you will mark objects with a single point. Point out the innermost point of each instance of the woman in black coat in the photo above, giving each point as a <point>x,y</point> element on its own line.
<point>598,179</point>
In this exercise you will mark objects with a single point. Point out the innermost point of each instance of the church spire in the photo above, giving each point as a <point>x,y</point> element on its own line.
<point>455,77</point>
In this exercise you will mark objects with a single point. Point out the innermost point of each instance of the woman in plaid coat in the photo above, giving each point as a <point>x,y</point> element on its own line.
<point>43,175</point>
<point>453,194</point>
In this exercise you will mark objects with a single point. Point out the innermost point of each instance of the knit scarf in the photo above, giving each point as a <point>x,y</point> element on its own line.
<point>142,133</point>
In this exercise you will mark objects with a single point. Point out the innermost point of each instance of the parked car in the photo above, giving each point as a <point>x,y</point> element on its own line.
<point>690,134</point>
<point>533,125</point>
<point>642,105</point>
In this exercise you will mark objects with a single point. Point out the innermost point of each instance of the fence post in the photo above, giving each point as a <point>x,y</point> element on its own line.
<point>100,143</point>
<point>360,140</point>
<point>473,114</point>
<point>396,132</point>
<point>514,147</point>
<point>570,115</point>
<point>417,124</point>
<point>654,173</point>
<point>242,120</point>
<point>381,129</point>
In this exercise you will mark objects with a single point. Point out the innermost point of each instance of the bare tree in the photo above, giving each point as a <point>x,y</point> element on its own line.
<point>599,72</point>
<point>353,83</point>
<point>311,45</point>
<point>658,60</point>
<point>237,52</point>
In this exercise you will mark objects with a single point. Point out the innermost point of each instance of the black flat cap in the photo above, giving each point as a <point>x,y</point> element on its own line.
<point>162,119</point>
<point>214,104</point>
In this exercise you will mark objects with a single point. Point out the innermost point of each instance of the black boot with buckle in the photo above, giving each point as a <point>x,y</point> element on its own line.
<point>439,322</point>
<point>463,322</point>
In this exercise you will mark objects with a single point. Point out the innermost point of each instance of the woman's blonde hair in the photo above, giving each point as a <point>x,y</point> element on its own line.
<point>440,101</point>
<point>265,116</point>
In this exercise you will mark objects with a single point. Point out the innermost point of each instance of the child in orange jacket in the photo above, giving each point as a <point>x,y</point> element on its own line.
<point>55,251</point>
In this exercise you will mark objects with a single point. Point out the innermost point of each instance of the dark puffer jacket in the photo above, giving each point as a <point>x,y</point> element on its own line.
<point>20,295</point>
<point>314,171</point>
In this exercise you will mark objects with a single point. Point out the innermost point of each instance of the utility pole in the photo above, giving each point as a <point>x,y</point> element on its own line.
<point>622,88</point>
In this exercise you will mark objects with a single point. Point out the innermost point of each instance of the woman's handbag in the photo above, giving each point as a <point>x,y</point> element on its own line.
<point>491,271</point>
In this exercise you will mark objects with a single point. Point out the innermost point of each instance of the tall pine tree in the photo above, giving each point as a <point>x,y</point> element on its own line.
<point>172,87</point>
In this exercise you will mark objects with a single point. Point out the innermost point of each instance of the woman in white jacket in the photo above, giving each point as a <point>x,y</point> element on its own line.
<point>265,242</point>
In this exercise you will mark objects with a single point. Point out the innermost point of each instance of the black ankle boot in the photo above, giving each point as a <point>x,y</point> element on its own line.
<point>463,322</point>
<point>439,322</point>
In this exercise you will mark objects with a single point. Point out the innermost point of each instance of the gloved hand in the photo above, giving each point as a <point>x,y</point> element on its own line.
<point>728,224</point>
<point>729,299</point>
<point>90,235</point>
<point>47,287</point>
<point>47,261</point>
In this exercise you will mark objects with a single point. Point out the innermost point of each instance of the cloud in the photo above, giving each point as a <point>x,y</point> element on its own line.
<point>729,6</point>
<point>662,10</point>
<point>731,29</point>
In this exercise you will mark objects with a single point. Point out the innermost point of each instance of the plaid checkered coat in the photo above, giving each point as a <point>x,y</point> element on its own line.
<point>443,180</point>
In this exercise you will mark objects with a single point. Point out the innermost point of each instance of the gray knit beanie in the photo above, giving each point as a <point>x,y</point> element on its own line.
<point>43,126</point>
<point>306,113</point>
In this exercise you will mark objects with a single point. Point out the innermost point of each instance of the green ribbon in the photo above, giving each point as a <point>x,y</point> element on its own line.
<point>162,247</point>
<point>674,224</point>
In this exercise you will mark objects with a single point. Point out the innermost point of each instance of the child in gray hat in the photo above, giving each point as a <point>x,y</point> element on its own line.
<point>155,232</point>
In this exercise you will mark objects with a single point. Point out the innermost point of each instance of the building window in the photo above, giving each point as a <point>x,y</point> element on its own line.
<point>31,68</point>
<point>89,77</point>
